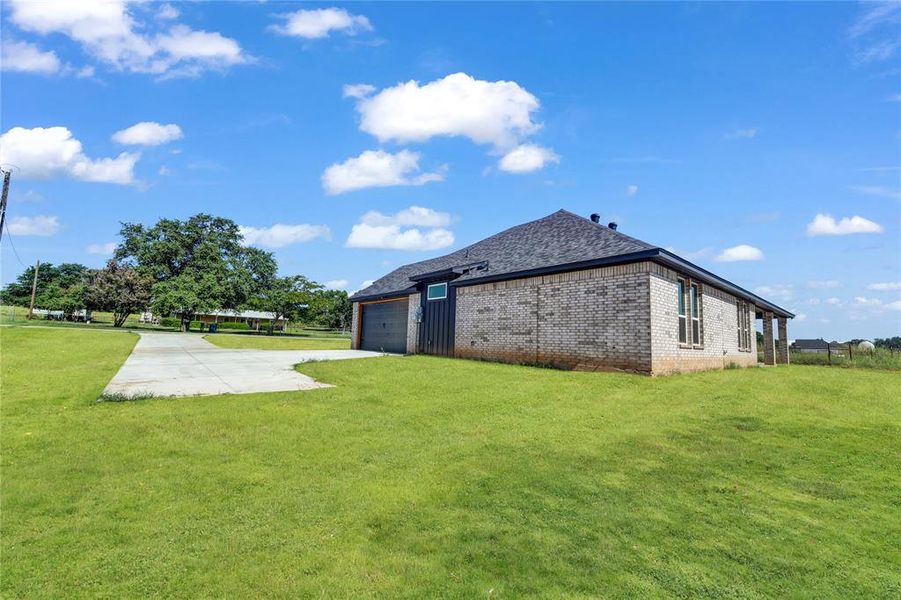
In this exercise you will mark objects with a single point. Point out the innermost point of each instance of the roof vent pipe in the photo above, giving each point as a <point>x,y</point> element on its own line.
<point>612,225</point>
<point>595,218</point>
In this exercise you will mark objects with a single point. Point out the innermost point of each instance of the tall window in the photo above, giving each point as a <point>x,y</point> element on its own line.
<point>744,326</point>
<point>690,329</point>
<point>695,316</point>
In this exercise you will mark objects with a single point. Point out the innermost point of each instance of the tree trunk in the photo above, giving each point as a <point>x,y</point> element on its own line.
<point>119,319</point>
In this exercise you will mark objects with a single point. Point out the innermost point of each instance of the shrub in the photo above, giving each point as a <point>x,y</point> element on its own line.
<point>173,322</point>
<point>232,325</point>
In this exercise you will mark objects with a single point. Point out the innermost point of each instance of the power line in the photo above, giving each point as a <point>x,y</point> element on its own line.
<point>9,236</point>
<point>6,175</point>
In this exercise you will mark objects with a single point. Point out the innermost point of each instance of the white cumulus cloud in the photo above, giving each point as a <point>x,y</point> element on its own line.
<point>109,31</point>
<point>106,249</point>
<point>888,286</point>
<point>280,235</point>
<point>336,284</point>
<point>742,252</point>
<point>823,224</point>
<point>487,112</point>
<point>46,152</point>
<point>40,225</point>
<point>896,305</point>
<point>376,168</point>
<point>414,228</point>
<point>631,190</point>
<point>527,157</point>
<point>148,133</point>
<point>412,216</point>
<point>28,58</point>
<point>319,23</point>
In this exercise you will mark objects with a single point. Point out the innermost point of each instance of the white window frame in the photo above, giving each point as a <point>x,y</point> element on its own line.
<point>744,326</point>
<point>428,292</point>
<point>691,315</point>
<point>695,311</point>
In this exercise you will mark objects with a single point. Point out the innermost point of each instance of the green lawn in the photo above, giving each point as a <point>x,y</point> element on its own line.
<point>422,477</point>
<point>265,342</point>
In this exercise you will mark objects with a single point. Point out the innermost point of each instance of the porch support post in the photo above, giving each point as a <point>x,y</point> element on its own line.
<point>783,341</point>
<point>769,344</point>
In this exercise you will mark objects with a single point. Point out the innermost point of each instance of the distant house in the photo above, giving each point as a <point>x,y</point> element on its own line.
<point>567,291</point>
<point>255,319</point>
<point>818,345</point>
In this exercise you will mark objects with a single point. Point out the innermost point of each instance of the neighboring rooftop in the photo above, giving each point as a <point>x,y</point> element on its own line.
<point>819,344</point>
<point>558,241</point>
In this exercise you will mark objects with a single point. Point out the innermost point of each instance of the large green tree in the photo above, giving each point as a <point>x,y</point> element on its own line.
<point>53,287</point>
<point>198,264</point>
<point>119,289</point>
<point>287,297</point>
<point>330,308</point>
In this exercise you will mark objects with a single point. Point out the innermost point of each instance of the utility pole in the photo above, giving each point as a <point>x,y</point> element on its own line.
<point>34,287</point>
<point>6,175</point>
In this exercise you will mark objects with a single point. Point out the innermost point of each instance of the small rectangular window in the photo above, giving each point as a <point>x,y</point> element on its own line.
<point>437,291</point>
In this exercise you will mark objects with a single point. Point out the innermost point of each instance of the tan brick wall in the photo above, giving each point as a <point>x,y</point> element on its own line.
<point>719,328</point>
<point>590,319</point>
<point>412,325</point>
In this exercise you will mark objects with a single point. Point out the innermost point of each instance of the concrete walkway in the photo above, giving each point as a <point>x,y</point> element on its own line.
<point>180,364</point>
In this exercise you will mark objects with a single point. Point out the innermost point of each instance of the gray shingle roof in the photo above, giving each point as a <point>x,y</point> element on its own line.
<point>558,239</point>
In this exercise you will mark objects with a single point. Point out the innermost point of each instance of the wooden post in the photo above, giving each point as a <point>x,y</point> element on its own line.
<point>34,287</point>
<point>850,353</point>
<point>829,351</point>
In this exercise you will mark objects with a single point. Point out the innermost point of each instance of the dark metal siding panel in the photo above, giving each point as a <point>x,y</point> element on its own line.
<point>384,326</point>
<point>436,332</point>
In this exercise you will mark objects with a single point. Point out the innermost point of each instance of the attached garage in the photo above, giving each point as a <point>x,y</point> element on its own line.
<point>383,326</point>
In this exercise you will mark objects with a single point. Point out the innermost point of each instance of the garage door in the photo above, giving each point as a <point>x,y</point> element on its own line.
<point>384,327</point>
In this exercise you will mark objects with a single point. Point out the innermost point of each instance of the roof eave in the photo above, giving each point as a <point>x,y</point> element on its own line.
<point>383,296</point>
<point>659,255</point>
<point>668,258</point>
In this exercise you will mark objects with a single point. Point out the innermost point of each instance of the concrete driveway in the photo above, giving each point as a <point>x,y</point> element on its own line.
<point>183,364</point>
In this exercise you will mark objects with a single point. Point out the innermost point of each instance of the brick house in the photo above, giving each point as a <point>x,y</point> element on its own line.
<point>568,292</point>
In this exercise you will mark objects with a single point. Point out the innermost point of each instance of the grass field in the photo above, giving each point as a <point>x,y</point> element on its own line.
<point>424,477</point>
<point>265,342</point>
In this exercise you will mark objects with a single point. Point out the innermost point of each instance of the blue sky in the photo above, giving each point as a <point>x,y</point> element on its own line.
<point>760,141</point>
